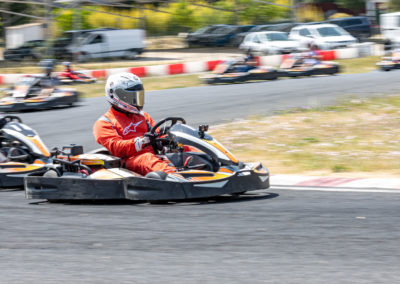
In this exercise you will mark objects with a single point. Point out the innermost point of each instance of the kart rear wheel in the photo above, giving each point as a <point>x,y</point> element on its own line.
<point>51,174</point>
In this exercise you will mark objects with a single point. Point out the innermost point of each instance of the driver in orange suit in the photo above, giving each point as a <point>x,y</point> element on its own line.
<point>124,128</point>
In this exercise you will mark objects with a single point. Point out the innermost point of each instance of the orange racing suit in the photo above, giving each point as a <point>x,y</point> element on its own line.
<point>116,131</point>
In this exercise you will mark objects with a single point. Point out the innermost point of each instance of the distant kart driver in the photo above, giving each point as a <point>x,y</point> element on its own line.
<point>69,72</point>
<point>312,57</point>
<point>124,128</point>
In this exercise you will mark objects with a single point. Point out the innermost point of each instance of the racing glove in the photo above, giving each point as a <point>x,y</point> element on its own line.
<point>141,142</point>
<point>151,136</point>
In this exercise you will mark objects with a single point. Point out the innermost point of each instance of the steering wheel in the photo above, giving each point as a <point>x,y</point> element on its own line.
<point>8,118</point>
<point>157,141</point>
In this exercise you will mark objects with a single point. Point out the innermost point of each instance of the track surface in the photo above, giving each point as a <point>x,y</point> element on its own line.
<point>277,236</point>
<point>290,237</point>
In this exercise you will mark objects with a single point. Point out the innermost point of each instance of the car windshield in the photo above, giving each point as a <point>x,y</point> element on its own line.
<point>259,28</point>
<point>331,31</point>
<point>28,44</point>
<point>203,30</point>
<point>276,37</point>
<point>222,30</point>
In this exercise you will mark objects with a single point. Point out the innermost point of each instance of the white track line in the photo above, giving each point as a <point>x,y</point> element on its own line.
<point>335,189</point>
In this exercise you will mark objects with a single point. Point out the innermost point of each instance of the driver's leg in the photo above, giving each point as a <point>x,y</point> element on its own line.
<point>148,162</point>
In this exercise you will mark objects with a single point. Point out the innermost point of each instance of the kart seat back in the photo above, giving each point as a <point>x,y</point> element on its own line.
<point>192,160</point>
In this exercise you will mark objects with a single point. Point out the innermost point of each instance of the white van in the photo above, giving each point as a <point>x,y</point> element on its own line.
<point>390,27</point>
<point>109,43</point>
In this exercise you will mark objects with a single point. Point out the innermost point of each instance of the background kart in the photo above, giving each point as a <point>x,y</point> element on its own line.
<point>98,176</point>
<point>37,92</point>
<point>22,152</point>
<point>75,77</point>
<point>238,71</point>
<point>389,63</point>
<point>295,67</point>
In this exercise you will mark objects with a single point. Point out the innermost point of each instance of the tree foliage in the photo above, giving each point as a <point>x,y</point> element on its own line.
<point>180,16</point>
<point>355,5</point>
<point>69,19</point>
<point>394,5</point>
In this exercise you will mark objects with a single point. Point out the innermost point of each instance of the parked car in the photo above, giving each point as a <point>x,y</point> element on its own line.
<point>195,38</point>
<point>29,50</point>
<point>108,44</point>
<point>59,48</point>
<point>322,36</point>
<point>281,27</point>
<point>359,27</point>
<point>270,43</point>
<point>223,36</point>
<point>238,38</point>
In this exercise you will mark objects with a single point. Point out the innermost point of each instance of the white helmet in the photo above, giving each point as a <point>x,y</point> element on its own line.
<point>125,92</point>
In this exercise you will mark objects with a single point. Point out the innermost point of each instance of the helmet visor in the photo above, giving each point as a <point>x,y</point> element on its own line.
<point>131,97</point>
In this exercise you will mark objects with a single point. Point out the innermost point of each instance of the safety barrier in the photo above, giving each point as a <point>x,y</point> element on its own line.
<point>359,50</point>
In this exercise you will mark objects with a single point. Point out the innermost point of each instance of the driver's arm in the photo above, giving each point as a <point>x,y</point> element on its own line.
<point>107,136</point>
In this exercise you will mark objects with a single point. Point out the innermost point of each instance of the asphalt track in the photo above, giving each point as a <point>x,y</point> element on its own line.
<point>274,236</point>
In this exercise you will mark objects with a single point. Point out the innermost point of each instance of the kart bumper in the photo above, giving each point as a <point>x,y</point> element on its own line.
<point>21,106</point>
<point>16,179</point>
<point>233,78</point>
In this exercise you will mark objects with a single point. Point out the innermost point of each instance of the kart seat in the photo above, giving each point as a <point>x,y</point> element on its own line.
<point>192,160</point>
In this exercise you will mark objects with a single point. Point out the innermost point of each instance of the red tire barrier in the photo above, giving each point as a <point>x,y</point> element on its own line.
<point>138,71</point>
<point>178,68</point>
<point>99,73</point>
<point>328,54</point>
<point>211,64</point>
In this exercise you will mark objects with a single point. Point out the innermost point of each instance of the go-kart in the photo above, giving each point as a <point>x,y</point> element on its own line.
<point>389,63</point>
<point>22,152</point>
<point>301,66</point>
<point>213,171</point>
<point>36,92</point>
<point>233,71</point>
<point>71,77</point>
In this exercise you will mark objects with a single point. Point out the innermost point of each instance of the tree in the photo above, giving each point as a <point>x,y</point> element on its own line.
<point>394,5</point>
<point>354,5</point>
<point>10,19</point>
<point>65,21</point>
<point>182,17</point>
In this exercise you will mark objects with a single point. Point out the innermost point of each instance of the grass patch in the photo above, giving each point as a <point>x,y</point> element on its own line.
<point>360,136</point>
<point>358,65</point>
<point>150,84</point>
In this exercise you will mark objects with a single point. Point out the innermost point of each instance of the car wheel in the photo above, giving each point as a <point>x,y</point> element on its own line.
<point>83,57</point>
<point>132,54</point>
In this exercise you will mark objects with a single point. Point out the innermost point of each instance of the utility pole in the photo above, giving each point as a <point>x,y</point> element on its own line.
<point>77,15</point>
<point>293,11</point>
<point>48,34</point>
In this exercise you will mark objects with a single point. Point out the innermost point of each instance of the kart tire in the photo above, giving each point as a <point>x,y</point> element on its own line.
<point>156,175</point>
<point>51,174</point>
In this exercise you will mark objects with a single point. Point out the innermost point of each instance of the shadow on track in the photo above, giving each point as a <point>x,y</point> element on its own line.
<point>253,196</point>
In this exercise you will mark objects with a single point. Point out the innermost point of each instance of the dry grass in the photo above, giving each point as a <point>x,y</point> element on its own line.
<point>150,84</point>
<point>359,136</point>
<point>358,65</point>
